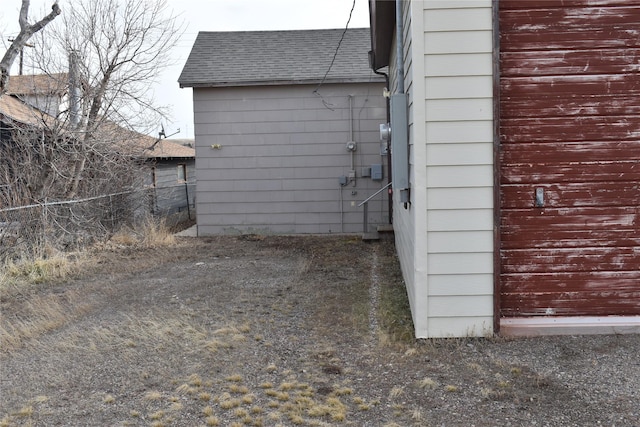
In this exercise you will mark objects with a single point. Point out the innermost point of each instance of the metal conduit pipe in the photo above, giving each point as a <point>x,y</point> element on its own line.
<point>399,47</point>
<point>351,144</point>
<point>389,196</point>
<point>341,211</point>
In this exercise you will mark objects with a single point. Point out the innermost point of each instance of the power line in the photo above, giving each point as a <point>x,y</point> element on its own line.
<point>335,54</point>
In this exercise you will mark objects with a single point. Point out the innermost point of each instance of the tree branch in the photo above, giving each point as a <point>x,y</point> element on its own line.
<point>26,31</point>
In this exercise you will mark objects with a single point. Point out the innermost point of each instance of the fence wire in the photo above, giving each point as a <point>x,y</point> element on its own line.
<point>29,231</point>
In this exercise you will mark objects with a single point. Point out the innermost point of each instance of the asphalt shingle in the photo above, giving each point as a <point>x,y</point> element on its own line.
<point>14,109</point>
<point>132,142</point>
<point>278,57</point>
<point>38,84</point>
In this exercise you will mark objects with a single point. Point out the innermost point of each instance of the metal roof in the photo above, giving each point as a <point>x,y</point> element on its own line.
<point>247,58</point>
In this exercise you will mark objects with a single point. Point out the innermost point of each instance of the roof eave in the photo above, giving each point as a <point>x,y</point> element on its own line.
<point>346,80</point>
<point>382,18</point>
<point>166,157</point>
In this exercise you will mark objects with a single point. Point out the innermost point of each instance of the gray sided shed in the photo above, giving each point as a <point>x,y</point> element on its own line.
<point>272,131</point>
<point>169,173</point>
<point>174,180</point>
<point>173,177</point>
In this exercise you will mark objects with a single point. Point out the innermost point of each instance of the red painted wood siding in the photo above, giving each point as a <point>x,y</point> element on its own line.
<point>570,125</point>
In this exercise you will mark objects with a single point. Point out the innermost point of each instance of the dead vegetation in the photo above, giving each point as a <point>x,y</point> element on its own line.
<point>277,331</point>
<point>33,289</point>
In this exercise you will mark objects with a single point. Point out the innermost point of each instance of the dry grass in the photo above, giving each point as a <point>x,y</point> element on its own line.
<point>279,396</point>
<point>396,392</point>
<point>153,395</point>
<point>394,313</point>
<point>38,315</point>
<point>293,401</point>
<point>43,311</point>
<point>234,378</point>
<point>56,267</point>
<point>428,383</point>
<point>151,233</point>
<point>124,237</point>
<point>156,233</point>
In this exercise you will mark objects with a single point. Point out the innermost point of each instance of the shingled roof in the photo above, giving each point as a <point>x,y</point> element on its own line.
<point>143,146</point>
<point>14,109</point>
<point>153,148</point>
<point>38,84</point>
<point>137,144</point>
<point>248,58</point>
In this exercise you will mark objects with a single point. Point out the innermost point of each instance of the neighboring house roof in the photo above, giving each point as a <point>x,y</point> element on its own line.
<point>248,58</point>
<point>15,109</point>
<point>145,146</point>
<point>187,142</point>
<point>38,84</point>
<point>166,149</point>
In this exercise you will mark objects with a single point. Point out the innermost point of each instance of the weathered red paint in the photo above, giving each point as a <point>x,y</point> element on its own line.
<point>570,126</point>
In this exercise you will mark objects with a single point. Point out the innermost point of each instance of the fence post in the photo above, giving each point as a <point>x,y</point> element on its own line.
<point>186,188</point>
<point>365,220</point>
<point>113,214</point>
<point>45,225</point>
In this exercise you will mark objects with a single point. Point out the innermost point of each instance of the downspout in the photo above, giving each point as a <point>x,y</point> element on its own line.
<point>388,150</point>
<point>351,144</point>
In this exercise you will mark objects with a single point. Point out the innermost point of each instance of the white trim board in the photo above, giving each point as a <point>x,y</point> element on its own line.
<point>533,326</point>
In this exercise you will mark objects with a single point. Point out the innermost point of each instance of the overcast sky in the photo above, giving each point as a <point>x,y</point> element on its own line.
<point>215,15</point>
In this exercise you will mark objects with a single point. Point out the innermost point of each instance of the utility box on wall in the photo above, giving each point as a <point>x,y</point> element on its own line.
<point>399,142</point>
<point>376,172</point>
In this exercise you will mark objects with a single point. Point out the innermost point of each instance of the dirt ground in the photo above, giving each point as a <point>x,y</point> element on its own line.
<point>282,331</point>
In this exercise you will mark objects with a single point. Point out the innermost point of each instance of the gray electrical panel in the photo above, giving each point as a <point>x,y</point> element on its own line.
<point>376,172</point>
<point>399,141</point>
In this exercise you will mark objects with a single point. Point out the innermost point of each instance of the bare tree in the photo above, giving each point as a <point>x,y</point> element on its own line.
<point>109,52</point>
<point>18,43</point>
<point>120,47</point>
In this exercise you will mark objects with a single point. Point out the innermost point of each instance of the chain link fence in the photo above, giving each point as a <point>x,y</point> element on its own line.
<point>68,225</point>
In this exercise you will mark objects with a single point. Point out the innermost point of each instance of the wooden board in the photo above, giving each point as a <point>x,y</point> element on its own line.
<point>569,128</point>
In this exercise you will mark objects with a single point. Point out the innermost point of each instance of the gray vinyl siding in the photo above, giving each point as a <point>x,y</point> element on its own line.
<point>172,194</point>
<point>282,150</point>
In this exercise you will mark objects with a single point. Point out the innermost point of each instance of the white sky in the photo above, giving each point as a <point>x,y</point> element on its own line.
<point>213,15</point>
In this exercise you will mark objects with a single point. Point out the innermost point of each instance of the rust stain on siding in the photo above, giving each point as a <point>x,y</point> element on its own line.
<point>570,130</point>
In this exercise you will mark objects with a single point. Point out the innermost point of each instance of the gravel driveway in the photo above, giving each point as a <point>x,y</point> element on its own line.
<point>282,331</point>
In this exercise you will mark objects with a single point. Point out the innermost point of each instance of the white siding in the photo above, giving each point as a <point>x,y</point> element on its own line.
<point>281,152</point>
<point>404,220</point>
<point>450,220</point>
